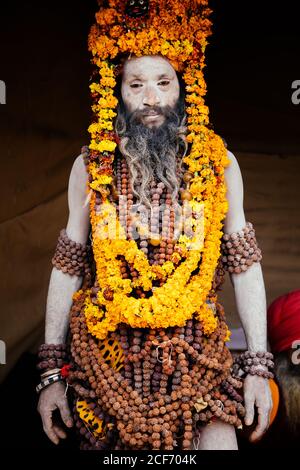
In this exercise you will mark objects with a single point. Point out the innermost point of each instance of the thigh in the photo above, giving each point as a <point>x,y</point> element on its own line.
<point>215,436</point>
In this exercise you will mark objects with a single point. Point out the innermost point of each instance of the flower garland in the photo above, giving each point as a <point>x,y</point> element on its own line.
<point>181,37</point>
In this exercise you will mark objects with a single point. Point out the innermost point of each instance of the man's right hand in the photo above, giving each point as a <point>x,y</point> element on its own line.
<point>52,398</point>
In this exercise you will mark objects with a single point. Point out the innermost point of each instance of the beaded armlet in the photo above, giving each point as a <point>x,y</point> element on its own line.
<point>240,250</point>
<point>71,257</point>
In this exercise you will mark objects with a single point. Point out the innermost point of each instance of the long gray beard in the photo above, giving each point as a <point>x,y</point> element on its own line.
<point>151,152</point>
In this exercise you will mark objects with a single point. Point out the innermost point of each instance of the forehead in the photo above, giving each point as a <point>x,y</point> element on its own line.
<point>147,67</point>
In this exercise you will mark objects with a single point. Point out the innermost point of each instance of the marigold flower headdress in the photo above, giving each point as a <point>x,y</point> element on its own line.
<point>177,30</point>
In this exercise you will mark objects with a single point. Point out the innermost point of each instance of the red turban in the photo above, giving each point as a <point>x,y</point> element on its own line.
<point>284,321</point>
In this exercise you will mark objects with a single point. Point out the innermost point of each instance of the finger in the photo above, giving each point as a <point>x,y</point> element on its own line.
<point>249,407</point>
<point>65,413</point>
<point>263,417</point>
<point>48,428</point>
<point>59,432</point>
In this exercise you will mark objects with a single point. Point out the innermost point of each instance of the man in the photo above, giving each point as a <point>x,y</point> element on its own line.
<point>284,338</point>
<point>150,91</point>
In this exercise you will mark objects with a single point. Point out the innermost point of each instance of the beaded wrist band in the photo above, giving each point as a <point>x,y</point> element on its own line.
<point>240,249</point>
<point>71,257</point>
<point>263,358</point>
<point>262,373</point>
<point>249,363</point>
<point>52,356</point>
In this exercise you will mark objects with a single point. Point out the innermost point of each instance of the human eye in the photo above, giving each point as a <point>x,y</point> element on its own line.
<point>164,82</point>
<point>136,85</point>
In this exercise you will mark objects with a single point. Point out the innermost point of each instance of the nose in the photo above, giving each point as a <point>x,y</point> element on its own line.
<point>151,97</point>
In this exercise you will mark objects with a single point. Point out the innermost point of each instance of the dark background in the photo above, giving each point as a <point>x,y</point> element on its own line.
<point>252,59</point>
<point>251,62</point>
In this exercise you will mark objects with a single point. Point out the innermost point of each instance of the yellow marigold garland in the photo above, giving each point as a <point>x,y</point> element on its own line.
<point>181,296</point>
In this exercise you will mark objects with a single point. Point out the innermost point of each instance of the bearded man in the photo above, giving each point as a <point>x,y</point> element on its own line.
<point>143,373</point>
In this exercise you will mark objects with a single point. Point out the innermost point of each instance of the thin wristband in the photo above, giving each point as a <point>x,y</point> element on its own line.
<point>50,372</point>
<point>47,382</point>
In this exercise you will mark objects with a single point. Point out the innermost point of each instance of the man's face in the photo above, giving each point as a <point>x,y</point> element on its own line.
<point>148,84</point>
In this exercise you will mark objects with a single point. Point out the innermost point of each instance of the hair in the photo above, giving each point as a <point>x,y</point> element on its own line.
<point>288,376</point>
<point>151,153</point>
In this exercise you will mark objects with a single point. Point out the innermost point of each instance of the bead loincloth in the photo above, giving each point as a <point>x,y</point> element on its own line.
<point>150,389</point>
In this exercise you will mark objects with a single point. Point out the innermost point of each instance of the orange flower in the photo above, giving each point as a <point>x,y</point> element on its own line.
<point>181,294</point>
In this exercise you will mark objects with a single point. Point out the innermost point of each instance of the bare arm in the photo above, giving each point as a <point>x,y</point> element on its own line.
<point>61,289</point>
<point>250,297</point>
<point>62,285</point>
<point>249,289</point>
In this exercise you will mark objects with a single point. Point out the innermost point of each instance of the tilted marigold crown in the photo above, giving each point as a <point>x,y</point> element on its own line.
<point>176,29</point>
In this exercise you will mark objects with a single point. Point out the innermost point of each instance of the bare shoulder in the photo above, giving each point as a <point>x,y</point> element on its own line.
<point>79,170</point>
<point>233,174</point>
<point>77,187</point>
<point>78,175</point>
<point>78,222</point>
<point>235,218</point>
<point>234,165</point>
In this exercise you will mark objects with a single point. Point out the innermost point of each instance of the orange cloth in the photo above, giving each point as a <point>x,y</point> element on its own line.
<point>275,397</point>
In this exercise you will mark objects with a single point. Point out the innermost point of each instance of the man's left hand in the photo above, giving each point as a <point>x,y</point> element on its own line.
<point>257,393</point>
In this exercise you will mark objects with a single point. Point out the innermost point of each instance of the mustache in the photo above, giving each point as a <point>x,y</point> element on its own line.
<point>152,110</point>
<point>138,114</point>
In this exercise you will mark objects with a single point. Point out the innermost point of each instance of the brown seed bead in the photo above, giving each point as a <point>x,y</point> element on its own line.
<point>188,427</point>
<point>169,441</point>
<point>156,428</point>
<point>156,444</point>
<point>186,444</point>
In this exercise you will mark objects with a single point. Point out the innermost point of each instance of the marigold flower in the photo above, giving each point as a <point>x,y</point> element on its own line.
<point>181,295</point>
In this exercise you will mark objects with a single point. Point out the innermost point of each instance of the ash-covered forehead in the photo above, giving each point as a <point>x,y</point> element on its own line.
<point>148,67</point>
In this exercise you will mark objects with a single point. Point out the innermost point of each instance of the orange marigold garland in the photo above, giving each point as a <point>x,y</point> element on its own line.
<point>153,402</point>
<point>177,30</point>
